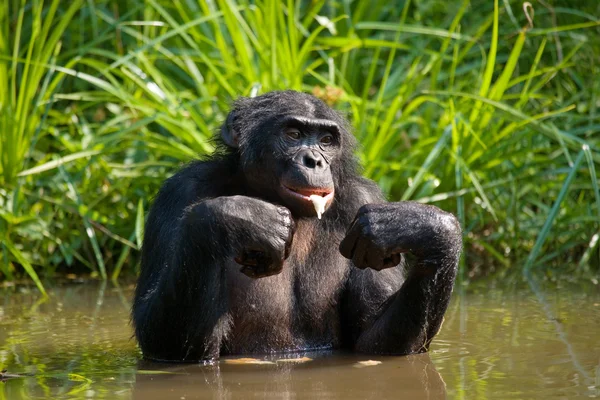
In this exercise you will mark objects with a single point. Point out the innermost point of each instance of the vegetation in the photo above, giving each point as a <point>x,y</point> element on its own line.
<point>487,109</point>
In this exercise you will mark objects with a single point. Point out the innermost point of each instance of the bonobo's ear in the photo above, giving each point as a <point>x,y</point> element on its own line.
<point>229,135</point>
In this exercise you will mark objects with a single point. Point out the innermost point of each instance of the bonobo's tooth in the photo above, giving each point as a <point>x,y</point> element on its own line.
<point>319,204</point>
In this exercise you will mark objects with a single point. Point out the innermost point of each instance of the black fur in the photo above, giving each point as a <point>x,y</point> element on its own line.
<point>233,263</point>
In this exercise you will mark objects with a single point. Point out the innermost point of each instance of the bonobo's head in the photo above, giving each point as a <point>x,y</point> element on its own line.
<point>291,145</point>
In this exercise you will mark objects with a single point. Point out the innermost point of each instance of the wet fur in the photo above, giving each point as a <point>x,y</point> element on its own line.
<point>192,302</point>
<point>296,308</point>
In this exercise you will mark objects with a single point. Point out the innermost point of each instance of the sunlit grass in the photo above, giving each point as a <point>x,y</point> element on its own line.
<point>29,40</point>
<point>462,105</point>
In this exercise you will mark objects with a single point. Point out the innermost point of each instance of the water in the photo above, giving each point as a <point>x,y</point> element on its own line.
<point>494,344</point>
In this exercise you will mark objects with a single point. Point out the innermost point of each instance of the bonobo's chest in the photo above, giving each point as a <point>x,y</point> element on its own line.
<point>297,309</point>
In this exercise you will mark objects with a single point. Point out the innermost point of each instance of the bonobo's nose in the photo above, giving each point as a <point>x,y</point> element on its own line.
<point>310,159</point>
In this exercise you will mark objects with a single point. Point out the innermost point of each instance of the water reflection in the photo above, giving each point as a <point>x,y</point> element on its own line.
<point>335,376</point>
<point>517,344</point>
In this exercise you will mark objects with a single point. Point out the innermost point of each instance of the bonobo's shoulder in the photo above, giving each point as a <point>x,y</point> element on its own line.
<point>357,192</point>
<point>365,191</point>
<point>203,170</point>
<point>201,177</point>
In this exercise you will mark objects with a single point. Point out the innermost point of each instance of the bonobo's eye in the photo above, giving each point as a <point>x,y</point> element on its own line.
<point>293,133</point>
<point>326,139</point>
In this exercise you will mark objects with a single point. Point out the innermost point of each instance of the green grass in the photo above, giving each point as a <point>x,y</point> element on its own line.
<point>459,104</point>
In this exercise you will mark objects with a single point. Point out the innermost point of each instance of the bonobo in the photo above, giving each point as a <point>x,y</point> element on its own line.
<point>235,260</point>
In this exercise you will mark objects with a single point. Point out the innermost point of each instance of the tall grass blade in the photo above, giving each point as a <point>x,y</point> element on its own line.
<point>553,213</point>
<point>21,259</point>
<point>89,229</point>
<point>428,163</point>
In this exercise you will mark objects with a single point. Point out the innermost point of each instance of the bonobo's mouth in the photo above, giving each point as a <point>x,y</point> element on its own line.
<point>305,193</point>
<point>307,201</point>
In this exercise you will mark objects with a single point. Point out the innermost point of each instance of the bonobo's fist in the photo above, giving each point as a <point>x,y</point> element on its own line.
<point>381,232</point>
<point>263,230</point>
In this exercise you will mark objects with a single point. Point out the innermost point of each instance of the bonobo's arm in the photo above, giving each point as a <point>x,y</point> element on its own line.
<point>180,310</point>
<point>387,311</point>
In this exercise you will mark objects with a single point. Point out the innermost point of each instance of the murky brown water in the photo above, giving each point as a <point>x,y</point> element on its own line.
<point>496,344</point>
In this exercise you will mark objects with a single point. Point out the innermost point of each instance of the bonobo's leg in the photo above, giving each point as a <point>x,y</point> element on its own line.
<point>387,319</point>
<point>180,311</point>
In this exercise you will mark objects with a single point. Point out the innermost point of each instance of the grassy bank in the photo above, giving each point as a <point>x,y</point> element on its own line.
<point>467,105</point>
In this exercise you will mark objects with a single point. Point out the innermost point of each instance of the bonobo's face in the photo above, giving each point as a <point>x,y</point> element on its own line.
<point>305,148</point>
<point>289,144</point>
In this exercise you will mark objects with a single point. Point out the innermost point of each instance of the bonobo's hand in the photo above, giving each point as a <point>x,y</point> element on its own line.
<point>381,232</point>
<point>259,232</point>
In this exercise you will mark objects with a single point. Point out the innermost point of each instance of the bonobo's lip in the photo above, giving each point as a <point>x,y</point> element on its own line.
<point>305,193</point>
